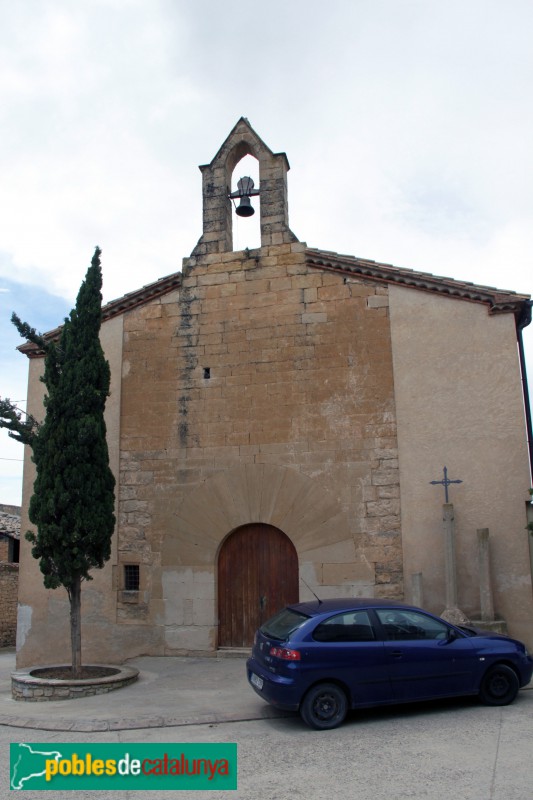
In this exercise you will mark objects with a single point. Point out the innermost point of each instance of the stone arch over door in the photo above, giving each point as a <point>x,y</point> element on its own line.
<point>276,495</point>
<point>280,496</point>
<point>257,575</point>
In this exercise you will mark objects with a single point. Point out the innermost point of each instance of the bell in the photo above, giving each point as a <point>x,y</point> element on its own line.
<point>245,190</point>
<point>245,208</point>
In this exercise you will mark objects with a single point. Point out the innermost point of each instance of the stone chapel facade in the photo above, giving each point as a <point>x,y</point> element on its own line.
<point>275,419</point>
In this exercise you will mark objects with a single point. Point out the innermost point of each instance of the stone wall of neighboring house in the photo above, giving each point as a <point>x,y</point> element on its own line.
<point>9,581</point>
<point>4,550</point>
<point>9,573</point>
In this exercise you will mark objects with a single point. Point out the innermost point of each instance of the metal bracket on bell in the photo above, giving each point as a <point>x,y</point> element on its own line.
<point>245,190</point>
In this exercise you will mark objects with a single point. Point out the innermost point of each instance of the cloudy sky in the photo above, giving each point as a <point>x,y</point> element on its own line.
<point>408,125</point>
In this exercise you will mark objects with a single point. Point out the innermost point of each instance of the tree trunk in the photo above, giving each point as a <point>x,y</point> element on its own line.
<point>75,626</point>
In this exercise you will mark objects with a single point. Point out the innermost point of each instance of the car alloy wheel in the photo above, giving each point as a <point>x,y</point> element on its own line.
<point>499,686</point>
<point>324,706</point>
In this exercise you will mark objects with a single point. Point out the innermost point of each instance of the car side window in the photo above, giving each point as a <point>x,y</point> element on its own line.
<point>351,626</point>
<point>404,625</point>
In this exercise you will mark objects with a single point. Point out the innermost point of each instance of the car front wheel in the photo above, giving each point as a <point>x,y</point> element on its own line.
<point>499,686</point>
<point>324,706</point>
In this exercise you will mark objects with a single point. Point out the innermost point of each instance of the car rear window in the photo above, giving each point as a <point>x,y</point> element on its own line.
<point>282,624</point>
<point>351,626</point>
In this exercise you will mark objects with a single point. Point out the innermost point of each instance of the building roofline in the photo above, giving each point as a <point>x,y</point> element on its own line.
<point>116,307</point>
<point>498,301</point>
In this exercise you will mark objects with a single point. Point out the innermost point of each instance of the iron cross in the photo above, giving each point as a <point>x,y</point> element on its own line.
<point>446,482</point>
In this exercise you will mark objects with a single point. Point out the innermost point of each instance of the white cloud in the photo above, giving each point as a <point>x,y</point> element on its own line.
<point>407,125</point>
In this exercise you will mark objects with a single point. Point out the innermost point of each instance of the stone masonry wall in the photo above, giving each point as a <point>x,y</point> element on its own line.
<point>4,550</point>
<point>9,575</point>
<point>259,360</point>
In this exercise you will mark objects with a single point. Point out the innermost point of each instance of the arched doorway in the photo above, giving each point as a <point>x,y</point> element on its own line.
<point>257,575</point>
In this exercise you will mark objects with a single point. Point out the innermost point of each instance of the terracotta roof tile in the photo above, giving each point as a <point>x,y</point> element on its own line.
<point>498,300</point>
<point>10,524</point>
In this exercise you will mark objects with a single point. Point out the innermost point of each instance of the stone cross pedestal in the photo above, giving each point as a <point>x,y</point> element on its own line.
<point>452,612</point>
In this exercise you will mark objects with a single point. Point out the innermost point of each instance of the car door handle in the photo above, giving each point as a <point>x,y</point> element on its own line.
<point>396,654</point>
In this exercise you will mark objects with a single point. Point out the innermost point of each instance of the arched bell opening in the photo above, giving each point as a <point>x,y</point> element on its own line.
<point>246,207</point>
<point>270,214</point>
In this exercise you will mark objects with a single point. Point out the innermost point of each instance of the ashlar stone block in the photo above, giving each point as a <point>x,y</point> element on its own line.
<point>340,574</point>
<point>189,638</point>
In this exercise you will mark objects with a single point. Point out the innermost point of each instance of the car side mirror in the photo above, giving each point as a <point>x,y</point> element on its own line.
<point>452,635</point>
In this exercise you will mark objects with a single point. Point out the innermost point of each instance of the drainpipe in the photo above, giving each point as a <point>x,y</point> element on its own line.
<point>522,322</point>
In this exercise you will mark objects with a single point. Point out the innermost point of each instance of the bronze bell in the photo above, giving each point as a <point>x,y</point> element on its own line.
<point>245,190</point>
<point>245,208</point>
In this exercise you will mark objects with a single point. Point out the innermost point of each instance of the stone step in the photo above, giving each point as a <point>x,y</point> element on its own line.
<point>234,652</point>
<point>496,625</point>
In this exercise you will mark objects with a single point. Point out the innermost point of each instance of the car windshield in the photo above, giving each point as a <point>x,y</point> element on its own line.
<point>282,624</point>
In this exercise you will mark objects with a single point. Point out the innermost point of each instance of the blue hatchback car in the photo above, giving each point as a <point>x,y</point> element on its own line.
<point>325,657</point>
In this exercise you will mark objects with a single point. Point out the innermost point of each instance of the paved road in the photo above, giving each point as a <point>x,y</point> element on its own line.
<point>456,750</point>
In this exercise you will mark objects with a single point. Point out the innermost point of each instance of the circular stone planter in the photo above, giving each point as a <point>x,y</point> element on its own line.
<point>34,689</point>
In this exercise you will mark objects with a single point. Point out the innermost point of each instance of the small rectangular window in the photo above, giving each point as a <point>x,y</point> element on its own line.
<point>131,577</point>
<point>14,551</point>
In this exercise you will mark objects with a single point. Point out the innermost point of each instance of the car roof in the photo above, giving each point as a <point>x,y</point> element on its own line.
<point>314,607</point>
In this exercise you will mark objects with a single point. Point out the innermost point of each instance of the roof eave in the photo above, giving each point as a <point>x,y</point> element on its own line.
<point>114,308</point>
<point>498,301</point>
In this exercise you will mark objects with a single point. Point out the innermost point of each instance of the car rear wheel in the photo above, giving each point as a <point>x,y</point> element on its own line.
<point>499,686</point>
<point>324,706</point>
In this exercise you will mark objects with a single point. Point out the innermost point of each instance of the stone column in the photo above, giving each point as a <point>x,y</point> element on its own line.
<point>449,555</point>
<point>416,589</point>
<point>451,613</point>
<point>485,588</point>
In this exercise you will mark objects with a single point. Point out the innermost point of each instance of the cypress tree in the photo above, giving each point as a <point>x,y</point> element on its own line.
<point>73,500</point>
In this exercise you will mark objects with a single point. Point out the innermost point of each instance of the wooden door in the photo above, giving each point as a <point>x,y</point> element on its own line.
<point>257,576</point>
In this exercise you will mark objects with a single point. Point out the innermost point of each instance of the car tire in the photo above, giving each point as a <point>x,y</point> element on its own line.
<point>324,706</point>
<point>499,686</point>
